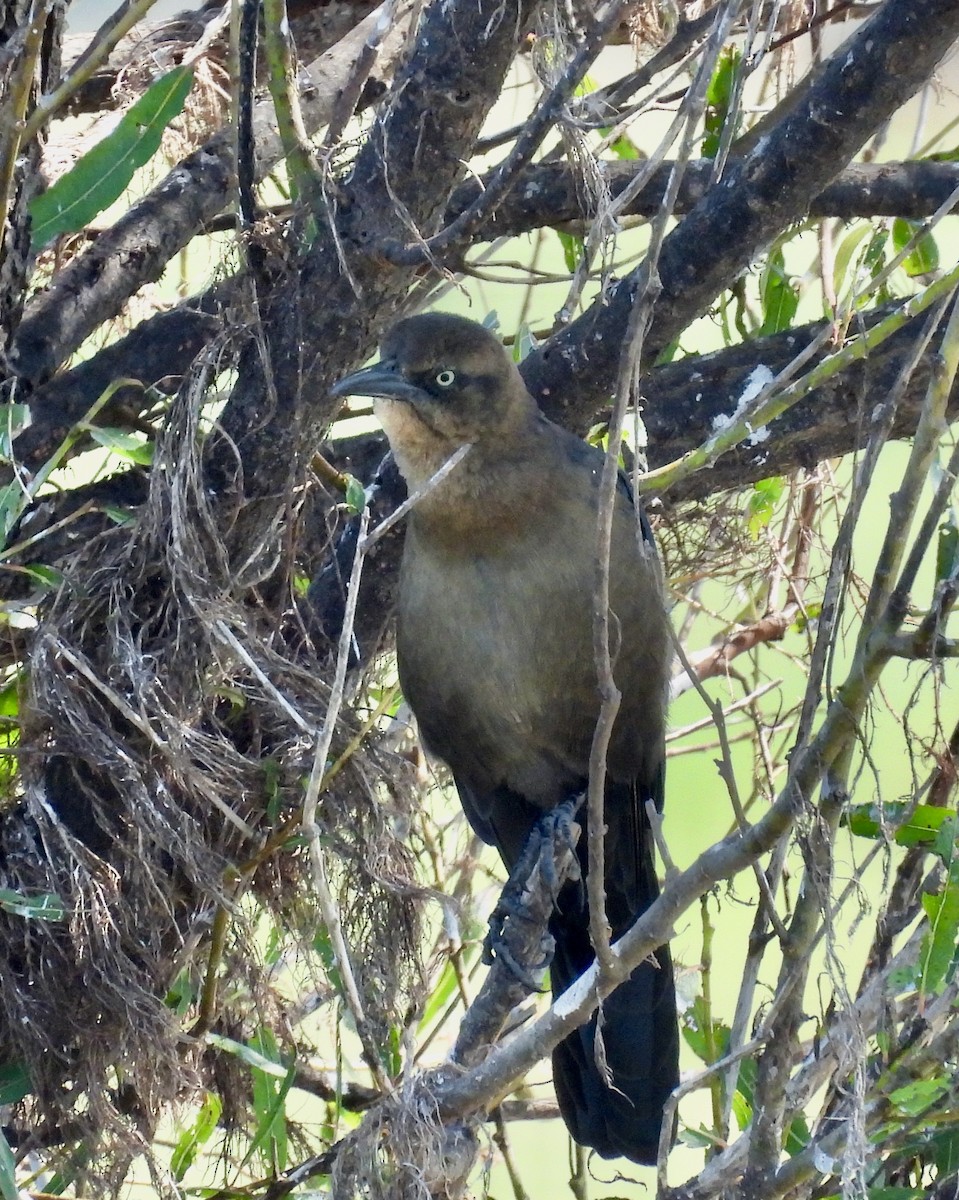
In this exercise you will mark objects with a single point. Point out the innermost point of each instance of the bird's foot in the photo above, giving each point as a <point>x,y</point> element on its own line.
<point>519,919</point>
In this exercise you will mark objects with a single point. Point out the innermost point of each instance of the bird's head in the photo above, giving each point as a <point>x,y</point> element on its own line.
<point>445,380</point>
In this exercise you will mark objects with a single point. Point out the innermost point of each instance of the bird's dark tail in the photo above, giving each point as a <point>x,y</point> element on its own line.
<point>639,1032</point>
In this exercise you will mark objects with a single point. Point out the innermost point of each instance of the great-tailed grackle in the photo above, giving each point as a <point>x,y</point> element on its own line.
<point>495,651</point>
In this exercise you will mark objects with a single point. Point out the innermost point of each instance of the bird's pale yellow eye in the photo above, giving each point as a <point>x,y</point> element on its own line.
<point>446,378</point>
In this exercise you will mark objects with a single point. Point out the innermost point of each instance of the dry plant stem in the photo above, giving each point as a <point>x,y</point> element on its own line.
<point>89,62</point>
<point>627,387</point>
<point>282,78</point>
<point>728,775</point>
<point>501,1138</point>
<point>904,503</point>
<point>727,1167</point>
<point>243,654</point>
<point>366,541</point>
<point>759,938</point>
<point>534,130</point>
<point>311,830</point>
<point>771,403</point>
<point>881,617</point>
<point>834,592</point>
<point>709,1033</point>
<point>19,89</point>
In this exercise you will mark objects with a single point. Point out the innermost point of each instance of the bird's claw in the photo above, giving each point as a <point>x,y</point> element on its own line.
<point>513,904</point>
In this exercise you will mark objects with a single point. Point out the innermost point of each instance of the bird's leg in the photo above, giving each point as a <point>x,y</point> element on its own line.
<point>548,861</point>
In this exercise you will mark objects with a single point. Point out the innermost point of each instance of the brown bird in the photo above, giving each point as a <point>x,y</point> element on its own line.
<point>495,653</point>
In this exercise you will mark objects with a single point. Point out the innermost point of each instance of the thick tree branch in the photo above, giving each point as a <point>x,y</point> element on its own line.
<point>550,193</point>
<point>318,323</point>
<point>96,284</point>
<point>860,87</point>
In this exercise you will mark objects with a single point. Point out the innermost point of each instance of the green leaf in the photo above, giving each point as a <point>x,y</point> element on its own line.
<point>797,1135</point>
<point>14,1083</point>
<point>119,516</point>
<point>844,254</point>
<point>440,996</point>
<point>945,1152</point>
<point>947,549</point>
<point>12,503</point>
<point>47,577</point>
<point>523,343</point>
<point>624,148</point>
<point>573,249</point>
<point>253,1058</point>
<point>718,97</point>
<point>763,498</point>
<point>10,696</point>
<point>14,418</point>
<point>698,1025</point>
<point>916,1097</point>
<point>8,1172</point>
<point>102,174</point>
<point>742,1110</point>
<point>269,1099</point>
<point>779,296</point>
<point>126,445</point>
<point>924,256</point>
<point>920,828</point>
<point>895,1193</point>
<point>355,495</point>
<point>193,1138</point>
<point>938,948</point>
<point>44,907</point>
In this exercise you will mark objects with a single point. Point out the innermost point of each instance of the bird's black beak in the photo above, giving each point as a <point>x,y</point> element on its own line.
<point>382,380</point>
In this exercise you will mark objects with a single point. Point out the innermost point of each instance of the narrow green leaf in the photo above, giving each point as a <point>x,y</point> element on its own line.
<point>269,1100</point>
<point>14,1083</point>
<point>920,828</point>
<point>12,503</point>
<point>440,996</point>
<point>947,549</point>
<point>126,445</point>
<point>10,696</point>
<point>119,516</point>
<point>102,174</point>
<point>924,256</point>
<point>718,97</point>
<point>14,418</point>
<point>844,254</point>
<point>355,495</point>
<point>797,1135</point>
<point>625,148</point>
<point>779,296</point>
<point>939,944</point>
<point>523,343</point>
<point>247,1054</point>
<point>762,502</point>
<point>8,1172</point>
<point>47,577</point>
<point>895,1193</point>
<point>195,1136</point>
<point>44,907</point>
<point>916,1097</point>
<point>573,249</point>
